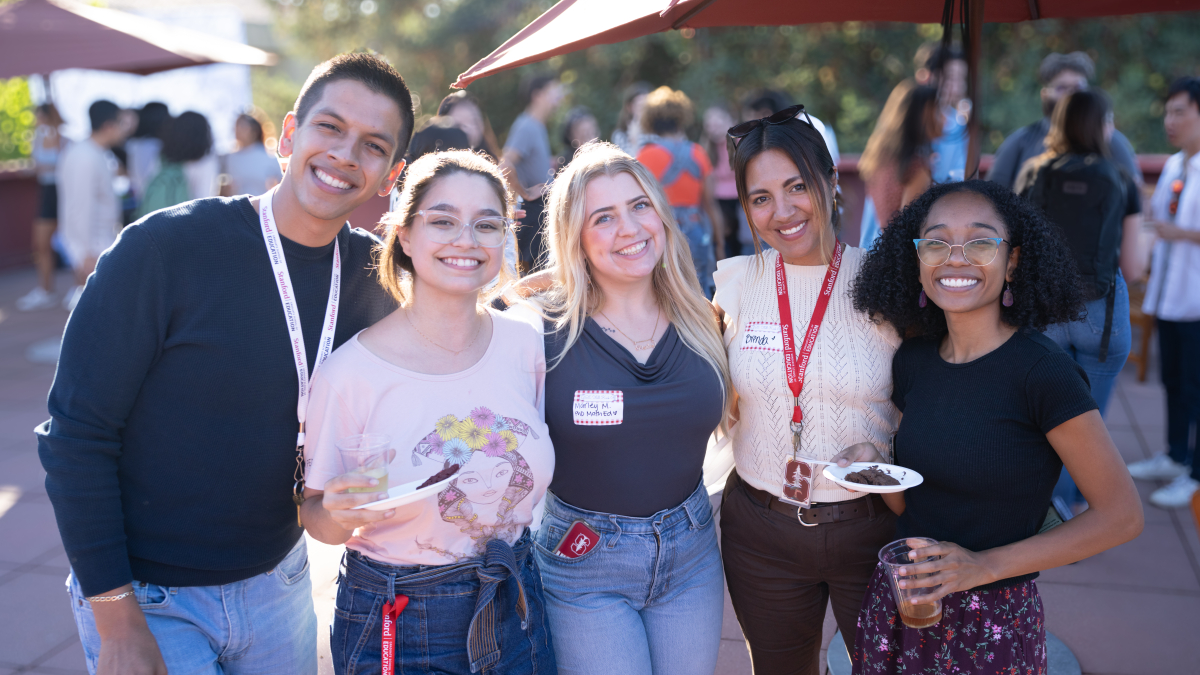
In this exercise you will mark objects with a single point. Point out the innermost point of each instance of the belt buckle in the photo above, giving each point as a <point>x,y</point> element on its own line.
<point>800,517</point>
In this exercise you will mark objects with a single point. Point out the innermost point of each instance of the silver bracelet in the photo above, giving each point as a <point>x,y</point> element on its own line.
<point>109,598</point>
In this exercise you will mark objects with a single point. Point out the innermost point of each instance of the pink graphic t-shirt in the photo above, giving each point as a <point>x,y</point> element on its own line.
<point>488,419</point>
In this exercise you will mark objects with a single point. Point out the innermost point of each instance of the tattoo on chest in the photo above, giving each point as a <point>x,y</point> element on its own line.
<point>608,330</point>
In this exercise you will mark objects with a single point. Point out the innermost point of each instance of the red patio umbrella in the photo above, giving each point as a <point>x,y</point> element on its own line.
<point>572,25</point>
<point>40,36</point>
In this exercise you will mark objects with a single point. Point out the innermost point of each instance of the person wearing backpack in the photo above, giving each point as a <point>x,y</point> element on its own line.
<point>686,175</point>
<point>1096,206</point>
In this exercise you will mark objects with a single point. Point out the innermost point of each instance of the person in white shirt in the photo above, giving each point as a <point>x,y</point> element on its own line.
<point>251,170</point>
<point>1173,296</point>
<point>89,212</point>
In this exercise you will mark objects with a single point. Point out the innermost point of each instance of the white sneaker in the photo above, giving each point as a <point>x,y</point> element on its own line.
<point>1177,494</point>
<point>72,298</point>
<point>1158,467</point>
<point>38,298</point>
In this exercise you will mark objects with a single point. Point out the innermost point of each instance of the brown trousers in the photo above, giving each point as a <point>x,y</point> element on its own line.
<point>781,574</point>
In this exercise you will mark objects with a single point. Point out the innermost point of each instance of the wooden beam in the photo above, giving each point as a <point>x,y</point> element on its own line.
<point>974,49</point>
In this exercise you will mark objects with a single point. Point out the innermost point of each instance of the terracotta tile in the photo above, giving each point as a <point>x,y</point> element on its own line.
<point>35,617</point>
<point>733,659</point>
<point>1116,631</point>
<point>27,531</point>
<point>1157,559</point>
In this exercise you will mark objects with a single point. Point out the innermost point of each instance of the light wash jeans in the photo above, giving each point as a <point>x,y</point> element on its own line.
<point>261,625</point>
<point>1081,341</point>
<point>648,598</point>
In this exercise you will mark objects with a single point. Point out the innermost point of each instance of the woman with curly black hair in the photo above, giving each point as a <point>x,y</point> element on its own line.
<point>992,410</point>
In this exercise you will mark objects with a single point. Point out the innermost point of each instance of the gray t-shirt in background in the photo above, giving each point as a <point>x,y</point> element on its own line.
<point>1030,141</point>
<point>250,169</point>
<point>629,438</point>
<point>530,141</point>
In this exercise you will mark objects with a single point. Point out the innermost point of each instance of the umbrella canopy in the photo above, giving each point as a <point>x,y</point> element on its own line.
<point>40,36</point>
<point>572,25</point>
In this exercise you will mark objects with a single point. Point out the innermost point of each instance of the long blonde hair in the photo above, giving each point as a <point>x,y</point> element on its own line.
<point>395,267</point>
<point>573,296</point>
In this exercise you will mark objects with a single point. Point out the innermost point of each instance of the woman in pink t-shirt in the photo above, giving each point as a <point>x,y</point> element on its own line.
<point>452,384</point>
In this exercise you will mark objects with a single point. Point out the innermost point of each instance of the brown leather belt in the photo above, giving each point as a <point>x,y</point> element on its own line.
<point>817,513</point>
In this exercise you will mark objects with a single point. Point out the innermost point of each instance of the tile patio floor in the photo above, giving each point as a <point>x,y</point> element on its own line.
<point>1130,611</point>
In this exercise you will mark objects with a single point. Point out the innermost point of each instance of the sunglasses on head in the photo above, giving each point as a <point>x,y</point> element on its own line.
<point>738,132</point>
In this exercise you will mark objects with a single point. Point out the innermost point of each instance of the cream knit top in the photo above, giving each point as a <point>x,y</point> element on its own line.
<point>847,385</point>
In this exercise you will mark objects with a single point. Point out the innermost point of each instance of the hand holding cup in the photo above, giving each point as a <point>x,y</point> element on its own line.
<point>944,567</point>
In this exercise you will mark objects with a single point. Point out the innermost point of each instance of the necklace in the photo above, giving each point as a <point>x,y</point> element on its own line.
<point>639,345</point>
<point>478,329</point>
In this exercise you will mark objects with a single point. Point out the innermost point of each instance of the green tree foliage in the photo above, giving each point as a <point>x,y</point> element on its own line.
<point>16,119</point>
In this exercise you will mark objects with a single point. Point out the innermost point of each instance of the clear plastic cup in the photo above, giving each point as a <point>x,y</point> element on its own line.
<point>894,556</point>
<point>369,455</point>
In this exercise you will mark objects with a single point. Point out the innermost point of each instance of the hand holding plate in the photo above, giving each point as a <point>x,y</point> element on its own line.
<point>340,504</point>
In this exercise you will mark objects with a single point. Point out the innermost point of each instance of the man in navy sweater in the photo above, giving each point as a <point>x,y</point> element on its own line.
<point>172,440</point>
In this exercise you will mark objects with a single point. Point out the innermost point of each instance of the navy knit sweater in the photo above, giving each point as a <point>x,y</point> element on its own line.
<point>171,441</point>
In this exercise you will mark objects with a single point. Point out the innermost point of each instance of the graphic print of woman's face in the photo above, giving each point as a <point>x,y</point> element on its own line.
<point>484,479</point>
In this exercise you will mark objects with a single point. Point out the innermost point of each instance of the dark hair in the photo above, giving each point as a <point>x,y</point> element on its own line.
<point>1045,283</point>
<point>939,55</point>
<point>254,124</point>
<point>901,134</point>
<point>50,112</point>
<point>489,144</point>
<point>1077,125</point>
<point>631,92</point>
<point>767,99</point>
<point>187,138</point>
<point>102,112</point>
<point>530,86</point>
<point>805,146</point>
<point>574,116</point>
<point>914,137</point>
<point>438,134</point>
<point>1185,85</point>
<point>151,119</point>
<point>1078,62</point>
<point>372,72</point>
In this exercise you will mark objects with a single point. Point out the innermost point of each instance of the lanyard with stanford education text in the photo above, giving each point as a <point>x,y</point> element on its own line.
<point>283,281</point>
<point>800,491</point>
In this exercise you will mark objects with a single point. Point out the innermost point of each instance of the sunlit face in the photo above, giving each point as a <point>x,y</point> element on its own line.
<point>953,86</point>
<point>244,133</point>
<point>583,130</point>
<point>462,266</point>
<point>469,118</point>
<point>623,236</point>
<point>782,210</point>
<point>1065,83</point>
<point>1181,121</point>
<point>958,286</point>
<point>484,479</point>
<point>341,154</point>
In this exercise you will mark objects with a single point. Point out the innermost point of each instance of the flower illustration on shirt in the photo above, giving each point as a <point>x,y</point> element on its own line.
<point>492,478</point>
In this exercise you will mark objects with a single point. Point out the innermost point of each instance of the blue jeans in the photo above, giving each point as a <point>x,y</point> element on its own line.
<point>1081,341</point>
<point>696,226</point>
<point>483,615</point>
<point>648,598</point>
<point>264,624</point>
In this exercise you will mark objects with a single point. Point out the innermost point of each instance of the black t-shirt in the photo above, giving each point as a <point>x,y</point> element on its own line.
<point>977,433</point>
<point>1133,196</point>
<point>629,438</point>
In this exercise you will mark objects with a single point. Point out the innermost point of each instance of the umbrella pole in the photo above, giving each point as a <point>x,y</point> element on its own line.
<point>974,48</point>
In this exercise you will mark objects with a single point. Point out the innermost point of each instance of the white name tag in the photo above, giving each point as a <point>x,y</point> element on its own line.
<point>763,336</point>
<point>593,407</point>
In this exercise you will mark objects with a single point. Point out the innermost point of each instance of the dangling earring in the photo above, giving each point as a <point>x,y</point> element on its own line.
<point>1007,299</point>
<point>921,299</point>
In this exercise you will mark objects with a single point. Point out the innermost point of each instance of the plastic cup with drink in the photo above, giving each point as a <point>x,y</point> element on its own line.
<point>896,555</point>
<point>367,455</point>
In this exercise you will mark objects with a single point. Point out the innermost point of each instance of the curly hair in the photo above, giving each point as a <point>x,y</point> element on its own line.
<point>1045,284</point>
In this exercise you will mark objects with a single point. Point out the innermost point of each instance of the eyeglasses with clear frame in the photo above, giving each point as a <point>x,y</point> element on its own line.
<point>446,228</point>
<point>978,252</point>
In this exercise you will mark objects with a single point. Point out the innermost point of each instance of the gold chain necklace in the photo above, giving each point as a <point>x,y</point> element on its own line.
<point>478,329</point>
<point>637,344</point>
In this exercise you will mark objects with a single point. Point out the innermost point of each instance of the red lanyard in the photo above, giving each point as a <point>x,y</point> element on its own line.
<point>795,374</point>
<point>391,612</point>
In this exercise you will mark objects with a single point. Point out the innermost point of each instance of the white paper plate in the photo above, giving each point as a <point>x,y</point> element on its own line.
<point>406,494</point>
<point>907,477</point>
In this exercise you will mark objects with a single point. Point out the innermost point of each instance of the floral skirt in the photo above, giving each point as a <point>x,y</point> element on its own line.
<point>994,632</point>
